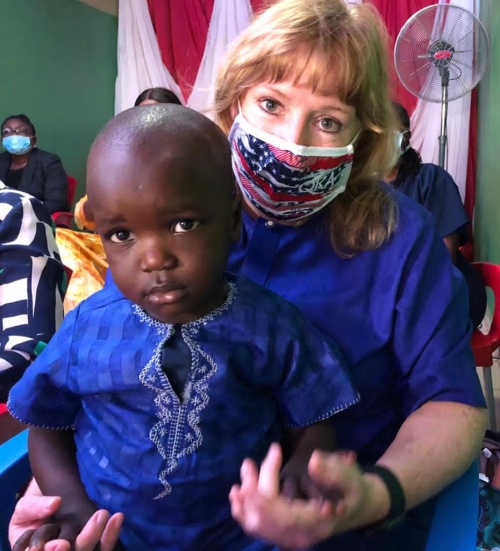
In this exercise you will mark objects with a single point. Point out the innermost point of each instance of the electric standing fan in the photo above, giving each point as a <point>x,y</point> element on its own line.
<point>441,54</point>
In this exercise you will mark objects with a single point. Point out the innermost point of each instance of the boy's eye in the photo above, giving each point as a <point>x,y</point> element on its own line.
<point>183,226</point>
<point>120,236</point>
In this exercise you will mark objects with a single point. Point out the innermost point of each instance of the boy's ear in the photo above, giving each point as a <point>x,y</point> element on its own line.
<point>236,215</point>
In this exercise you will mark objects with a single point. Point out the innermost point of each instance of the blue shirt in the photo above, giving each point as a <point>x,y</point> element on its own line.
<point>399,314</point>
<point>435,189</point>
<point>169,464</point>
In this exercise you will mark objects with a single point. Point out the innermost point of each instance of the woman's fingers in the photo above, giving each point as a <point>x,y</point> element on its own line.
<point>332,473</point>
<point>249,475</point>
<point>111,532</point>
<point>291,524</point>
<point>269,476</point>
<point>29,513</point>
<point>100,528</point>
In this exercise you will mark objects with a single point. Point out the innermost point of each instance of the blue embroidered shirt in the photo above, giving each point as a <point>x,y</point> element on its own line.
<point>169,464</point>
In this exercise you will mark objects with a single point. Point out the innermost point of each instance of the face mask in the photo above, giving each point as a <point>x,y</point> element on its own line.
<point>17,145</point>
<point>398,140</point>
<point>285,181</point>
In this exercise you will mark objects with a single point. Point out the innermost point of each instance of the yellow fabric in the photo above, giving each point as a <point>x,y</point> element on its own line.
<point>81,220</point>
<point>83,254</point>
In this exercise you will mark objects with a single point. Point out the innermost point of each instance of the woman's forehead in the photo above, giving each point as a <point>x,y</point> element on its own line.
<point>312,68</point>
<point>14,122</point>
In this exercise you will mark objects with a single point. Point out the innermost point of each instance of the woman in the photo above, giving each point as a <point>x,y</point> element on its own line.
<point>83,217</point>
<point>432,187</point>
<point>306,86</point>
<point>26,168</point>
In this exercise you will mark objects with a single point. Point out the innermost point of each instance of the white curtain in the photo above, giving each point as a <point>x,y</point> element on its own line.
<point>426,124</point>
<point>139,60</point>
<point>228,20</point>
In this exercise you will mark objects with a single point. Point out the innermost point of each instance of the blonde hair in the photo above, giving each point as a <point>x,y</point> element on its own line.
<point>352,39</point>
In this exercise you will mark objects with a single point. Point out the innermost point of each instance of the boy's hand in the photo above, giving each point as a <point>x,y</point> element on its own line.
<point>59,528</point>
<point>296,482</point>
<point>64,536</point>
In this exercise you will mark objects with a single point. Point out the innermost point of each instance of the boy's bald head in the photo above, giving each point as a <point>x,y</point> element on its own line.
<point>169,134</point>
<point>160,187</point>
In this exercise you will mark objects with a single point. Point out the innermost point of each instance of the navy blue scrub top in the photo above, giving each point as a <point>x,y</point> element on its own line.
<point>435,189</point>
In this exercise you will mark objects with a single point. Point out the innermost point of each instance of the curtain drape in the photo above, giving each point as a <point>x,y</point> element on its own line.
<point>140,64</point>
<point>182,29</point>
<point>228,20</point>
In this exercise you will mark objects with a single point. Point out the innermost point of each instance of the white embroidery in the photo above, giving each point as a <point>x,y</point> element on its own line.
<point>177,432</point>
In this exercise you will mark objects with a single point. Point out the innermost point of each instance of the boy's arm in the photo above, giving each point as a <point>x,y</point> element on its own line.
<point>53,462</point>
<point>299,446</point>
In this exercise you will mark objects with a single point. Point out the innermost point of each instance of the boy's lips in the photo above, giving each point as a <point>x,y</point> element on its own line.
<point>165,294</point>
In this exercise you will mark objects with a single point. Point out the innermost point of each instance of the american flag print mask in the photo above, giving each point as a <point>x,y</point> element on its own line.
<point>285,181</point>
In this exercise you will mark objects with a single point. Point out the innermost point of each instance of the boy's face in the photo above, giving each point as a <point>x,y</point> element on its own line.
<point>166,232</point>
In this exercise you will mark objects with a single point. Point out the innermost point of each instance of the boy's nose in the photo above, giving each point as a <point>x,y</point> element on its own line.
<point>156,258</point>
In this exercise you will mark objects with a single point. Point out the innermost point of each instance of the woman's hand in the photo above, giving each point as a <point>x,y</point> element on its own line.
<point>33,510</point>
<point>262,512</point>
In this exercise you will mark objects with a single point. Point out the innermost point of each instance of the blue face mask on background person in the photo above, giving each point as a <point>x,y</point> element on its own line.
<point>17,145</point>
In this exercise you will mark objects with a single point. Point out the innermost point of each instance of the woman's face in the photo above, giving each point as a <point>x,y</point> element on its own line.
<point>295,112</point>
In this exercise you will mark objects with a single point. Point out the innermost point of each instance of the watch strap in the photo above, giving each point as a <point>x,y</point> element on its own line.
<point>397,498</point>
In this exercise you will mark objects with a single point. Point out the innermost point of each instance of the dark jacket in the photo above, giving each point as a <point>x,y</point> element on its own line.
<point>43,177</point>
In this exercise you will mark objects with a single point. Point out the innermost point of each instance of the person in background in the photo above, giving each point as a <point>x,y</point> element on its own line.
<point>32,282</point>
<point>25,167</point>
<point>83,217</point>
<point>434,188</point>
<point>156,95</point>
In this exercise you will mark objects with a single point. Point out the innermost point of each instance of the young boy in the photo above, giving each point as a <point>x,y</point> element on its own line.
<point>168,379</point>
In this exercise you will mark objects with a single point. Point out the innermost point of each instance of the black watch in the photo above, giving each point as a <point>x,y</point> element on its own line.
<point>396,495</point>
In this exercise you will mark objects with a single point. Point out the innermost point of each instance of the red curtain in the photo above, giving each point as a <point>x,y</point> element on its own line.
<point>395,17</point>
<point>182,29</point>
<point>257,5</point>
<point>470,185</point>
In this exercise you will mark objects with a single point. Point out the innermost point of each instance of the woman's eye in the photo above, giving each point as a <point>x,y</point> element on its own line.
<point>270,105</point>
<point>120,236</point>
<point>184,226</point>
<point>329,125</point>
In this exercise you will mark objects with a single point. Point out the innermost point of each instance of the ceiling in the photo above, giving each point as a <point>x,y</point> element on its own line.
<point>108,6</point>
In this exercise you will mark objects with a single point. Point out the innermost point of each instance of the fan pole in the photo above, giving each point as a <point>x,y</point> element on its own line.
<point>443,138</point>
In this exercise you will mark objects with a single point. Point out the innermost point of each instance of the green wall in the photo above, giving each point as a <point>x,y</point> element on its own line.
<point>58,66</point>
<point>487,215</point>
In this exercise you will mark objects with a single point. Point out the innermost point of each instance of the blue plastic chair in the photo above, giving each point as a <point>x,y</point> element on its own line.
<point>454,525</point>
<point>14,473</point>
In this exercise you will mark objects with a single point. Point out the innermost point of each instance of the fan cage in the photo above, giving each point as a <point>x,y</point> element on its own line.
<point>441,45</point>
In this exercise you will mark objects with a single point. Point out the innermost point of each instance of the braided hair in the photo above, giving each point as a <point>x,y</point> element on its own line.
<point>410,162</point>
